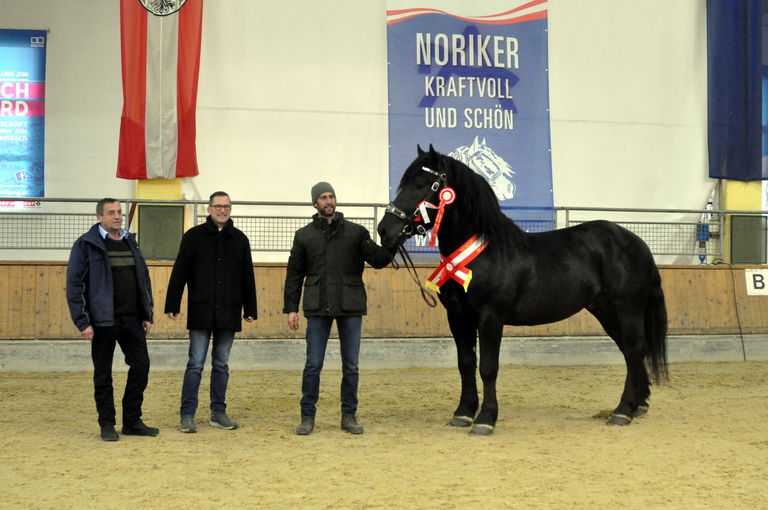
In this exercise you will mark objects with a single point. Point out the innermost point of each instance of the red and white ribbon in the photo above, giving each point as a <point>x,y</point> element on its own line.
<point>454,267</point>
<point>423,213</point>
<point>447,196</point>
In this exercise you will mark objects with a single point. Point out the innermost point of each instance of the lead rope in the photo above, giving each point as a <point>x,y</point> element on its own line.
<point>426,295</point>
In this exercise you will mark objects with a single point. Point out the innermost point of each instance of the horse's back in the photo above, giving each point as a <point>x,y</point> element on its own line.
<point>621,261</point>
<point>598,242</point>
<point>566,270</point>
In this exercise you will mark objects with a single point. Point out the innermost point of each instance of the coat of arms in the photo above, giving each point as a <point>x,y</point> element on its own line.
<point>162,7</point>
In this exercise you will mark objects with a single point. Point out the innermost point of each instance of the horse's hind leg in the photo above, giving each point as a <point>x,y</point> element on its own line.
<point>464,332</point>
<point>627,329</point>
<point>634,399</point>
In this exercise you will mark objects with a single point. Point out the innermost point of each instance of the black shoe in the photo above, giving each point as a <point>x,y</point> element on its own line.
<point>349,424</point>
<point>108,433</point>
<point>139,429</point>
<point>222,421</point>
<point>188,425</point>
<point>306,426</point>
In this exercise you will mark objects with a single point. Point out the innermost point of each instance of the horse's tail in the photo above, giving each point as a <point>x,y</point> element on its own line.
<point>656,331</point>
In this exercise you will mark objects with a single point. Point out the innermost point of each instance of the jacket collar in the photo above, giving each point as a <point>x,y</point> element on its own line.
<point>94,237</point>
<point>319,222</point>
<point>103,233</point>
<point>212,228</point>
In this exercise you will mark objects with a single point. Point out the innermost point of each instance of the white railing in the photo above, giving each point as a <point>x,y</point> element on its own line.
<point>674,235</point>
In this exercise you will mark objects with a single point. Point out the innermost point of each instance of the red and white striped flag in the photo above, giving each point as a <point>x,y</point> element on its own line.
<point>160,47</point>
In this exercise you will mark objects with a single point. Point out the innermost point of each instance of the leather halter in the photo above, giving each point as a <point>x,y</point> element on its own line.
<point>410,219</point>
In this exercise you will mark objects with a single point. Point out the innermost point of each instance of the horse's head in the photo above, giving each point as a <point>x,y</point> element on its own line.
<point>417,191</point>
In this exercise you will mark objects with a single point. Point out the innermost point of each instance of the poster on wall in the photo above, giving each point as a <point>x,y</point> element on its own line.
<point>22,113</point>
<point>471,79</point>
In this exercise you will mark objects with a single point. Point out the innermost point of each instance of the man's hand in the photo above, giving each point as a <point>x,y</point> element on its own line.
<point>172,315</point>
<point>249,319</point>
<point>293,320</point>
<point>147,326</point>
<point>87,333</point>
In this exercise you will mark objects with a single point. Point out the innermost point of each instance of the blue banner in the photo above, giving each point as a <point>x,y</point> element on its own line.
<point>734,89</point>
<point>22,112</point>
<point>476,88</point>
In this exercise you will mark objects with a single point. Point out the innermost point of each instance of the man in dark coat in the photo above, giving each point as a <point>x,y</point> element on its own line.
<point>215,264</point>
<point>110,300</point>
<point>327,260</point>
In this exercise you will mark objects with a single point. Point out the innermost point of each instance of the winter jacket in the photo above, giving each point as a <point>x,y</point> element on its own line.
<point>90,290</point>
<point>217,268</point>
<point>328,261</point>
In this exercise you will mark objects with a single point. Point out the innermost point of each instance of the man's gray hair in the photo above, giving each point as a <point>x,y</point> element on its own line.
<point>101,203</point>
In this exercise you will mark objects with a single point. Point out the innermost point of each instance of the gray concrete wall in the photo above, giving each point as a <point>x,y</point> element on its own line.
<point>74,355</point>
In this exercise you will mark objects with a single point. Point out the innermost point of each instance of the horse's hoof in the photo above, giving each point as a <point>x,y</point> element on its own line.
<point>619,420</point>
<point>481,429</point>
<point>460,421</point>
<point>641,411</point>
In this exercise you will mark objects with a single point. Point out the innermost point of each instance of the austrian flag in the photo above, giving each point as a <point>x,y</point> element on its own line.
<point>160,48</point>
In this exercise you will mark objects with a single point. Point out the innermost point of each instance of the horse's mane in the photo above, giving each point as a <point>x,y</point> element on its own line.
<point>480,205</point>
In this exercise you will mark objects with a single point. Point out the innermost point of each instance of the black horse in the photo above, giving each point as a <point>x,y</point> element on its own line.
<point>521,278</point>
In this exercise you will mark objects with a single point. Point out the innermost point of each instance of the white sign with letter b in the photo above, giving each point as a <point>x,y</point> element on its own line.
<point>757,282</point>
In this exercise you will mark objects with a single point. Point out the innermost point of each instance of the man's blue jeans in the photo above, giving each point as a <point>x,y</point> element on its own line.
<point>318,330</point>
<point>198,349</point>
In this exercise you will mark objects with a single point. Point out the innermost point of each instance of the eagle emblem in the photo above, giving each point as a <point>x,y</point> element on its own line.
<point>162,7</point>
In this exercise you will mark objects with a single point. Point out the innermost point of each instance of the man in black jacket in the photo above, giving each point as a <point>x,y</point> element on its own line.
<point>215,264</point>
<point>327,260</point>
<point>110,300</point>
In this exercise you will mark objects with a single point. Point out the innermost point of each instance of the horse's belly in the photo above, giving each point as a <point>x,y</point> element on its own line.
<point>541,314</point>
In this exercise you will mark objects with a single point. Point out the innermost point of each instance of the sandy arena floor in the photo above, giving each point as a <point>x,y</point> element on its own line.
<point>703,445</point>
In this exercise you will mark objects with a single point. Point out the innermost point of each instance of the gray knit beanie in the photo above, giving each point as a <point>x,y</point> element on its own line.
<point>320,188</point>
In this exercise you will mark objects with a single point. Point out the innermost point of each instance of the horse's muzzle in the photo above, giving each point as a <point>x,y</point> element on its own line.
<point>393,232</point>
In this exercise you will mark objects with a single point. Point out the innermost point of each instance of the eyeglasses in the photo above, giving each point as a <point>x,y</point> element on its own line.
<point>219,207</point>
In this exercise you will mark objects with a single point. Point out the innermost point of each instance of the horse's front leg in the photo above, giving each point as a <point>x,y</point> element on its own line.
<point>490,344</point>
<point>464,333</point>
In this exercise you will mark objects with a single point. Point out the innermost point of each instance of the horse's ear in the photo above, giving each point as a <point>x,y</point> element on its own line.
<point>432,151</point>
<point>418,149</point>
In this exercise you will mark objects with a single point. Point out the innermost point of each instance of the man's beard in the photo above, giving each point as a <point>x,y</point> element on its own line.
<point>324,211</point>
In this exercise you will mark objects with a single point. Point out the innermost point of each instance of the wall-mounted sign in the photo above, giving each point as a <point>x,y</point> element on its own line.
<point>22,112</point>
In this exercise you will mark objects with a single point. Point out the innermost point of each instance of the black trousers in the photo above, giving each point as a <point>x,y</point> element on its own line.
<point>128,332</point>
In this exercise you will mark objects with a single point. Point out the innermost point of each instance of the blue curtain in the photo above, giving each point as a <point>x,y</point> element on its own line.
<point>735,101</point>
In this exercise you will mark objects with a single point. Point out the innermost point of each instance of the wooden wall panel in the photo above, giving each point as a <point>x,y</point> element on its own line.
<point>28,301</point>
<point>15,291</point>
<point>382,292</point>
<point>5,301</point>
<point>59,320</point>
<point>700,300</point>
<point>41,307</point>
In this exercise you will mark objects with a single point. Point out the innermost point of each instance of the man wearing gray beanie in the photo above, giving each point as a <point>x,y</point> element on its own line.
<point>320,188</point>
<point>327,262</point>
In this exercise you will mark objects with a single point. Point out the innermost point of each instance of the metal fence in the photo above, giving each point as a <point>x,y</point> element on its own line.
<point>30,230</point>
<point>40,224</point>
<point>275,233</point>
<point>54,224</point>
<point>695,234</point>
